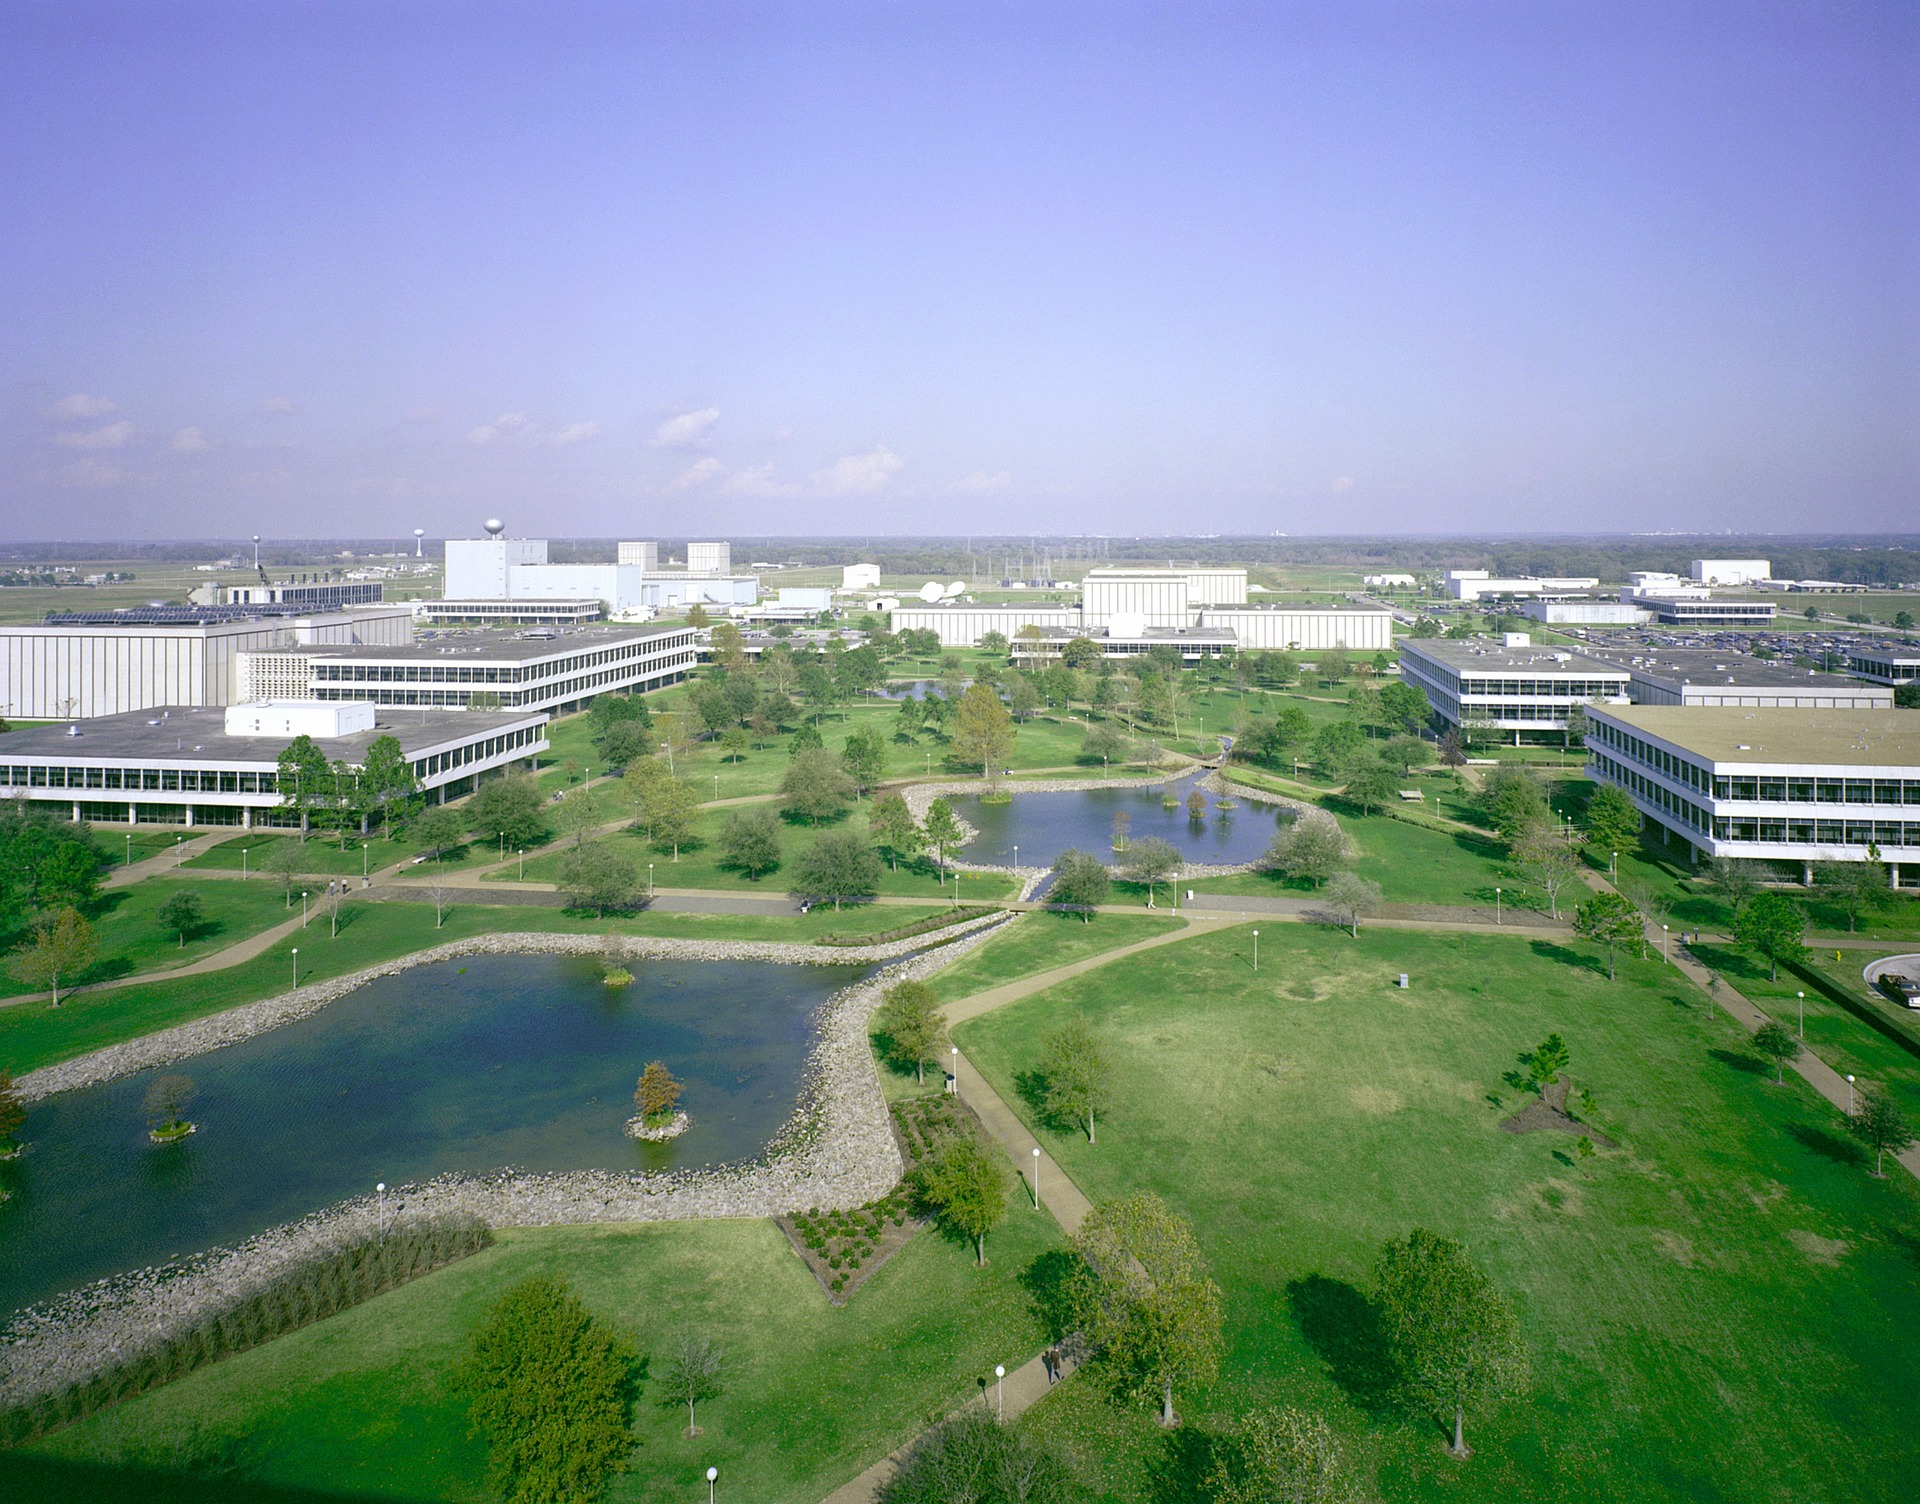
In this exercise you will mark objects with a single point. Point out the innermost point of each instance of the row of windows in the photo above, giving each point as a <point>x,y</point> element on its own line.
<point>1749,788</point>
<point>1883,833</point>
<point>1642,751</point>
<point>459,757</point>
<point>1560,689</point>
<point>546,694</point>
<point>169,780</point>
<point>1649,792</point>
<point>471,673</point>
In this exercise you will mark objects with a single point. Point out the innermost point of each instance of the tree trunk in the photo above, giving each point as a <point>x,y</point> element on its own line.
<point>980,1250</point>
<point>1167,1417</point>
<point>1459,1447</point>
<point>1090,1138</point>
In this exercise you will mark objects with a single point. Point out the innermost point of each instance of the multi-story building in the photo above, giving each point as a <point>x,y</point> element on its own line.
<point>498,568</point>
<point>1884,665</point>
<point>1513,687</point>
<point>961,624</point>
<point>1360,629</point>
<point>1472,584</point>
<point>1732,571</point>
<point>94,663</point>
<point>1700,609</point>
<point>539,670</point>
<point>189,766</point>
<point>1775,785</point>
<point>709,558</point>
<point>1038,646</point>
<point>514,613</point>
<point>310,595</point>
<point>646,555</point>
<point>1715,676</point>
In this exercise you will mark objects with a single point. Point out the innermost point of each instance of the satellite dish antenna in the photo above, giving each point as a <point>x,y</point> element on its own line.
<point>956,588</point>
<point>930,592</point>
<point>494,526</point>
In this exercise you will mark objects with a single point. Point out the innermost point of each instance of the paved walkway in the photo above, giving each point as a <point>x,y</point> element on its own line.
<point>164,860</point>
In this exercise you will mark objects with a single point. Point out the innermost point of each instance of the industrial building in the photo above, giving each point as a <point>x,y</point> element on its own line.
<point>1473,584</point>
<point>1703,610</point>
<point>1037,646</point>
<point>190,766</point>
<point>515,613</point>
<point>961,624</point>
<point>311,595</point>
<point>498,568</point>
<point>1512,686</point>
<point>1776,785</point>
<point>1586,612</point>
<point>1732,571</point>
<point>101,663</point>
<point>860,577</point>
<point>1360,629</point>
<point>1716,676</point>
<point>545,670</point>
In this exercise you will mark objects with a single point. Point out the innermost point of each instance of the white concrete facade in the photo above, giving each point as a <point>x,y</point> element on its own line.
<point>709,558</point>
<point>860,577</point>
<point>57,671</point>
<point>1731,571</point>
<point>479,568</point>
<point>1158,597</point>
<point>1360,629</point>
<point>1796,786</point>
<point>646,555</point>
<point>963,624</point>
<point>1517,690</point>
<point>1472,584</point>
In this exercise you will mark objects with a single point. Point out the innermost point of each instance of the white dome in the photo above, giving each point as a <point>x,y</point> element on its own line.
<point>494,526</point>
<point>930,592</point>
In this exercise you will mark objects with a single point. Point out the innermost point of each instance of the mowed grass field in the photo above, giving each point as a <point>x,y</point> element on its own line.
<point>1718,1309</point>
<point>363,1404</point>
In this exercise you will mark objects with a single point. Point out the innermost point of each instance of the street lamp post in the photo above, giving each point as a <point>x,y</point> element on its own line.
<point>1036,1177</point>
<point>363,859</point>
<point>712,1474</point>
<point>1663,943</point>
<point>1000,1389</point>
<point>303,908</point>
<point>1256,950</point>
<point>649,879</point>
<point>129,848</point>
<point>1849,1096</point>
<point>1496,905</point>
<point>296,966</point>
<point>956,1070</point>
<point>380,1190</point>
<point>1803,1013</point>
<point>523,865</point>
<point>716,788</point>
<point>1613,866</point>
<point>243,862</point>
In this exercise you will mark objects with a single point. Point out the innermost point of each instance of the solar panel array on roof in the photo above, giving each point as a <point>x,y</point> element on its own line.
<point>173,616</point>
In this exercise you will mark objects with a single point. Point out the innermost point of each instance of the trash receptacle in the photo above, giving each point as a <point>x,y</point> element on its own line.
<point>1403,980</point>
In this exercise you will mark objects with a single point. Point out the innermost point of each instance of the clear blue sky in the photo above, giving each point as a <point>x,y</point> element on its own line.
<point>335,269</point>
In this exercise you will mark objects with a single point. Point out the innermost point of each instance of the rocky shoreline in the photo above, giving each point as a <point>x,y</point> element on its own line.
<point>837,1149</point>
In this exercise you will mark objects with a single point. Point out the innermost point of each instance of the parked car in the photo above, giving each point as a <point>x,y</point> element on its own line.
<point>1901,989</point>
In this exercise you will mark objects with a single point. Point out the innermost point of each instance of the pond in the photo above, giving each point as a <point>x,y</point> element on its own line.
<point>1044,825</point>
<point>464,1065</point>
<point>913,689</point>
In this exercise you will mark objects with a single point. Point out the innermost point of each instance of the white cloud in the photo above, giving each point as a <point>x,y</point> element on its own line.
<point>521,429</point>
<point>981,481</point>
<point>107,436</point>
<point>702,472</point>
<point>191,441</point>
<point>1342,483</point>
<point>280,405</point>
<point>81,405</point>
<point>685,431</point>
<point>859,474</point>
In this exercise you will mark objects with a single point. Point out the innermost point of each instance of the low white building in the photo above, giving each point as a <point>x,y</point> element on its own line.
<point>1787,786</point>
<point>1389,581</point>
<point>961,624</point>
<point>1884,665</point>
<point>178,765</point>
<point>1472,584</point>
<point>1360,629</point>
<point>1584,613</point>
<point>1702,609</point>
<point>1719,677</point>
<point>860,577</point>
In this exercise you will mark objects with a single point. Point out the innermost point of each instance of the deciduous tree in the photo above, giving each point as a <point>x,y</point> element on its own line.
<point>61,947</point>
<point>657,1094</point>
<point>597,877</point>
<point>839,865</point>
<point>1856,888</point>
<point>1776,1043</point>
<point>1151,861</point>
<point>1609,919</point>
<point>1774,925</point>
<point>864,757</point>
<point>1080,881</point>
<point>508,812</point>
<point>1879,1124</point>
<point>305,781</point>
<point>1281,1455</point>
<point>1455,1340</point>
<point>181,915</point>
<point>983,732</point>
<point>912,1022</point>
<point>691,1373</point>
<point>943,831</point>
<point>386,780</point>
<point>1734,881</point>
<point>814,785</point>
<point>1075,1076</point>
<point>552,1390</point>
<point>436,832</point>
<point>1541,857</point>
<point>967,1184</point>
<point>892,825</point>
<point>13,1117</point>
<point>1352,897</point>
<point>1312,846</point>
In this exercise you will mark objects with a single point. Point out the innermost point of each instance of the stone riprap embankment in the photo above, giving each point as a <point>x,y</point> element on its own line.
<point>837,1150</point>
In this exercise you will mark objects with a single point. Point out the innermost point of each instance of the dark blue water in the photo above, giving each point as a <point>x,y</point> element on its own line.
<point>1044,825</point>
<point>462,1066</point>
<point>912,689</point>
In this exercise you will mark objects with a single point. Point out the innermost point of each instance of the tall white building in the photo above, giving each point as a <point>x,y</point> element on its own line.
<point>860,577</point>
<point>646,555</point>
<point>498,568</point>
<point>709,558</point>
<point>1731,571</point>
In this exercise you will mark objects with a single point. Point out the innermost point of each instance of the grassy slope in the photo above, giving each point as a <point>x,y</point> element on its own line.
<point>1411,863</point>
<point>813,1393</point>
<point>1694,1336</point>
<point>1040,942</point>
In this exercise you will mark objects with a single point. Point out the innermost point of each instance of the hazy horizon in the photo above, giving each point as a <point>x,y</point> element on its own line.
<point>1440,270</point>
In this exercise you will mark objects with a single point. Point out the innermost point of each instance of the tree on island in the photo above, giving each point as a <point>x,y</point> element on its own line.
<point>552,1391</point>
<point>61,947</point>
<point>839,865</point>
<point>1146,1299</point>
<point>166,1102</point>
<point>657,1095</point>
<point>1150,861</point>
<point>1080,881</point>
<point>181,915</point>
<point>1075,1076</point>
<point>1608,918</point>
<point>1882,1127</point>
<point>912,1022</point>
<point>1776,1043</point>
<point>967,1184</point>
<point>750,841</point>
<point>692,1374</point>
<point>1455,1341</point>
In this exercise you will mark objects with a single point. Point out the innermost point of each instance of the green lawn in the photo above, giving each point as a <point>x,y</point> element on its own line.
<point>1720,1310</point>
<point>813,1393</point>
<point>324,856</point>
<point>1411,863</point>
<point>36,1034</point>
<point>700,865</point>
<point>1696,907</point>
<point>128,937</point>
<point>1040,942</point>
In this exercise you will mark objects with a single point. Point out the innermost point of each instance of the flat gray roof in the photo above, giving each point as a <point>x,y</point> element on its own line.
<point>483,646</point>
<point>1714,666</point>
<point>1818,738</point>
<point>186,734</point>
<point>1479,655</point>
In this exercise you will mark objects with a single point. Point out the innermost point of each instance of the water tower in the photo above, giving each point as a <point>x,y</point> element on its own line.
<point>256,551</point>
<point>419,537</point>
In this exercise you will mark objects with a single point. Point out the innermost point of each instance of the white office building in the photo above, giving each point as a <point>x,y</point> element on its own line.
<point>1884,665</point>
<point>1515,688</point>
<point>961,624</point>
<point>1703,609</point>
<point>860,577</point>
<point>188,766</point>
<point>498,568</point>
<point>1159,597</point>
<point>1584,613</point>
<point>645,555</point>
<point>99,663</point>
<point>1776,785</point>
<point>1360,629</point>
<point>1472,584</point>
<point>1718,677</point>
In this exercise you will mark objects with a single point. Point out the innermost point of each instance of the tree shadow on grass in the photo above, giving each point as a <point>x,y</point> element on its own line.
<point>1048,1281</point>
<point>1546,950</point>
<point>1179,1467</point>
<point>1751,1065</point>
<point>1827,1145</point>
<point>1343,1327</point>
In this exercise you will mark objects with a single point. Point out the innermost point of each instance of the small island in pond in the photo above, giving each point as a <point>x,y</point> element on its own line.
<point>658,1098</point>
